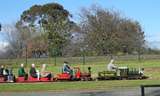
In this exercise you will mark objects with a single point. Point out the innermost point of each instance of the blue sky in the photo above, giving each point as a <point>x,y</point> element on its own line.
<point>145,11</point>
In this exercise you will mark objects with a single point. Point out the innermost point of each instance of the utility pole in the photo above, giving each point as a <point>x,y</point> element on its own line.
<point>55,56</point>
<point>26,54</point>
<point>83,56</point>
<point>0,26</point>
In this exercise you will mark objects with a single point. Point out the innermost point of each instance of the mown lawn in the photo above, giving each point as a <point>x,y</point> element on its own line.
<point>152,69</point>
<point>74,86</point>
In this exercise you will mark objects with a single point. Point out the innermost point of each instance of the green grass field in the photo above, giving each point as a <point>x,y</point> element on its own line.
<point>74,86</point>
<point>152,69</point>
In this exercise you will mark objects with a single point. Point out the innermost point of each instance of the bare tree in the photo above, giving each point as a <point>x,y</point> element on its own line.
<point>17,39</point>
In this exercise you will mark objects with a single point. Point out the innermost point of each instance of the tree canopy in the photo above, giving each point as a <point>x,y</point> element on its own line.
<point>52,23</point>
<point>106,32</point>
<point>47,29</point>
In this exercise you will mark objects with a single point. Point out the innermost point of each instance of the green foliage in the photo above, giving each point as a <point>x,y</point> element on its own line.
<point>53,19</point>
<point>100,32</point>
<point>107,32</point>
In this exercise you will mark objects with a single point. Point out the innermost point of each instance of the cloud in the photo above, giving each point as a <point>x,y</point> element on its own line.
<point>153,40</point>
<point>3,46</point>
<point>154,44</point>
<point>152,37</point>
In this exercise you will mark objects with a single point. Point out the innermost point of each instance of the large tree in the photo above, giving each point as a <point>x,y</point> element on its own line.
<point>51,22</point>
<point>107,32</point>
<point>16,37</point>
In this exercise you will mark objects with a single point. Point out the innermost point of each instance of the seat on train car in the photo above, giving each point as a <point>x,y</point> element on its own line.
<point>32,79</point>
<point>45,79</point>
<point>77,72</point>
<point>63,76</point>
<point>2,79</point>
<point>21,79</point>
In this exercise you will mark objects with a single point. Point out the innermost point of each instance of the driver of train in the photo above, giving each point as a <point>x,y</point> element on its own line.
<point>111,66</point>
<point>141,71</point>
<point>66,68</point>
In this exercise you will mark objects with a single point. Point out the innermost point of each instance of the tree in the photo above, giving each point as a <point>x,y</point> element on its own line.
<point>52,22</point>
<point>106,32</point>
<point>16,37</point>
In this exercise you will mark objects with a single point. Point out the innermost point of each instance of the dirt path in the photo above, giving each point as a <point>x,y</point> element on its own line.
<point>153,72</point>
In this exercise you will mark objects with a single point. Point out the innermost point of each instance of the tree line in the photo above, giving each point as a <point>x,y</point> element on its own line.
<point>48,30</point>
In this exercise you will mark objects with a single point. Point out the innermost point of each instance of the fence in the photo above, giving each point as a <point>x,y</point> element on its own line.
<point>147,86</point>
<point>75,60</point>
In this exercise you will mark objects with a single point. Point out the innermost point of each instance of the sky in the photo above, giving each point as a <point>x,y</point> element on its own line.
<point>144,11</point>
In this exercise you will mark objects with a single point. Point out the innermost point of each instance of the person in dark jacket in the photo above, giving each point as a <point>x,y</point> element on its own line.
<point>33,72</point>
<point>2,71</point>
<point>67,69</point>
<point>5,73</point>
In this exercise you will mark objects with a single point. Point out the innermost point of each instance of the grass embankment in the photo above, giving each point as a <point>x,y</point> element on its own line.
<point>74,86</point>
<point>152,69</point>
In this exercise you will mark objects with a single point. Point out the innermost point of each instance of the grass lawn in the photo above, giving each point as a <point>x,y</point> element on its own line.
<point>152,69</point>
<point>74,86</point>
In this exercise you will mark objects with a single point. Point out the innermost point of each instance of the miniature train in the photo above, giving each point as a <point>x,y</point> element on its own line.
<point>122,73</point>
<point>78,75</point>
<point>83,76</point>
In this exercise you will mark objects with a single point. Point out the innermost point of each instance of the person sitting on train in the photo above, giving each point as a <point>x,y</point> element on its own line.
<point>21,72</point>
<point>5,73</point>
<point>67,69</point>
<point>10,77</point>
<point>44,73</point>
<point>33,72</point>
<point>111,66</point>
<point>2,71</point>
<point>141,71</point>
